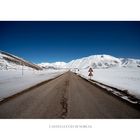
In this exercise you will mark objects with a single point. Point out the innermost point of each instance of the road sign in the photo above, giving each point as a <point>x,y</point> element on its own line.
<point>90,72</point>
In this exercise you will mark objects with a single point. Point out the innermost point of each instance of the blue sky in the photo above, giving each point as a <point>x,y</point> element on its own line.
<point>63,41</point>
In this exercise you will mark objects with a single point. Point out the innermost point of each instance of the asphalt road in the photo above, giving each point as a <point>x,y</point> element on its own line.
<point>70,97</point>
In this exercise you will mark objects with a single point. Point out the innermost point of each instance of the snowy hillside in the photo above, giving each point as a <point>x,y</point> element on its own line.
<point>9,61</point>
<point>102,61</point>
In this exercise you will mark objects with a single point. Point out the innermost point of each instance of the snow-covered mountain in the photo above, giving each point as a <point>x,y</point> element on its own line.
<point>56,65</point>
<point>103,61</point>
<point>94,61</point>
<point>9,61</point>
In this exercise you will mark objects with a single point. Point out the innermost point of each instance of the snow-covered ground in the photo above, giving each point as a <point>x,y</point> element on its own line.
<point>12,81</point>
<point>121,78</point>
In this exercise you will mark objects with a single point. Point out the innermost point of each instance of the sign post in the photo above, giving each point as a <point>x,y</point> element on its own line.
<point>90,72</point>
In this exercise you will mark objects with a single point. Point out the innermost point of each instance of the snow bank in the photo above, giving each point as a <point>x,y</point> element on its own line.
<point>12,81</point>
<point>121,78</point>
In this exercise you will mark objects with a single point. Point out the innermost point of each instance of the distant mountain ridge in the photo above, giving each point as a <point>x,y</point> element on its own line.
<point>55,65</point>
<point>94,61</point>
<point>9,61</point>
